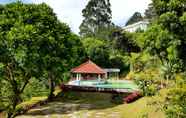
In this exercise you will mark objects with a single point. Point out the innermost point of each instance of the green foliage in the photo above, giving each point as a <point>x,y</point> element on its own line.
<point>103,54</point>
<point>175,103</point>
<point>124,41</point>
<point>148,82</point>
<point>36,88</point>
<point>33,44</point>
<point>97,18</point>
<point>98,51</point>
<point>171,18</point>
<point>150,12</point>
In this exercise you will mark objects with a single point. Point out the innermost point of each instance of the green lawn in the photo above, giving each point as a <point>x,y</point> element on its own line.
<point>94,105</point>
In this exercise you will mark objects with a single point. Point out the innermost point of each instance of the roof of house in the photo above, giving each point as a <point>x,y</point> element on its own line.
<point>145,22</point>
<point>112,70</point>
<point>88,67</point>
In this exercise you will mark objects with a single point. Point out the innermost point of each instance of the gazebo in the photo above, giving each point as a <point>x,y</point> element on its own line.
<point>88,71</point>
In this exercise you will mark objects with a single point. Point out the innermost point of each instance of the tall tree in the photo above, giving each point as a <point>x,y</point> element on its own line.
<point>124,41</point>
<point>97,17</point>
<point>33,44</point>
<point>172,19</point>
<point>134,18</point>
<point>18,52</point>
<point>150,12</point>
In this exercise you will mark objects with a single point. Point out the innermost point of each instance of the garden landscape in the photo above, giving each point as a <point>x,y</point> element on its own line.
<point>102,70</point>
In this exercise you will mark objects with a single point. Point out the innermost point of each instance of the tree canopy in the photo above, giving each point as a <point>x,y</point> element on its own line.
<point>33,44</point>
<point>97,17</point>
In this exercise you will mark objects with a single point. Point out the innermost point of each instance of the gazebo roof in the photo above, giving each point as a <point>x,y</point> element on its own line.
<point>88,67</point>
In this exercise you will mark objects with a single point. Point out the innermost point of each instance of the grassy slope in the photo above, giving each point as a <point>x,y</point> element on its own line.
<point>137,109</point>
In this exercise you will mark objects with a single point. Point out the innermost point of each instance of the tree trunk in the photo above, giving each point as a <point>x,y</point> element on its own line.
<point>51,86</point>
<point>9,115</point>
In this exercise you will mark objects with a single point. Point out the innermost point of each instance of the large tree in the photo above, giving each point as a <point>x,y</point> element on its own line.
<point>166,40</point>
<point>18,52</point>
<point>150,12</point>
<point>97,17</point>
<point>33,44</point>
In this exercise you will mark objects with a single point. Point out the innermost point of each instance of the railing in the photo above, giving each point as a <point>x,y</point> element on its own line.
<point>93,89</point>
<point>84,78</point>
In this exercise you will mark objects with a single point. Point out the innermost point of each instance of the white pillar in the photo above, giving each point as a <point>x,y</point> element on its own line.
<point>99,77</point>
<point>79,76</point>
<point>76,76</point>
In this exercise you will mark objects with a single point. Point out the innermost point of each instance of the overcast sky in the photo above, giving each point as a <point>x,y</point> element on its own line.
<point>69,11</point>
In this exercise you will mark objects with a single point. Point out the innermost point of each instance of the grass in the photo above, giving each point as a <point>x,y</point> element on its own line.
<point>91,105</point>
<point>35,100</point>
<point>32,101</point>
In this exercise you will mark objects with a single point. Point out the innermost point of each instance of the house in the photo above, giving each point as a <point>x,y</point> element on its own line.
<point>90,71</point>
<point>142,25</point>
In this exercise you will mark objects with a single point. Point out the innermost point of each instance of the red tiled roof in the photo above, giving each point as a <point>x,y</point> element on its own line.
<point>88,67</point>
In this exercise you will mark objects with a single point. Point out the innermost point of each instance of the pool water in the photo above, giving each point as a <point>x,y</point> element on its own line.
<point>116,84</point>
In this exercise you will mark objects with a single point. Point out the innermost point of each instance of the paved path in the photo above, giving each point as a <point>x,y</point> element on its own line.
<point>70,110</point>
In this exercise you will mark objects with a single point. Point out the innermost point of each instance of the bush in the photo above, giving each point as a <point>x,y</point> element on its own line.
<point>148,82</point>
<point>132,97</point>
<point>175,103</point>
<point>175,106</point>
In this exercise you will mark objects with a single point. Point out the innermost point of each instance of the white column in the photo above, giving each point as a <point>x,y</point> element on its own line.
<point>79,76</point>
<point>78,79</point>
<point>76,76</point>
<point>99,77</point>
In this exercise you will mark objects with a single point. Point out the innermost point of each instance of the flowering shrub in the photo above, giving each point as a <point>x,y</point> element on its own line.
<point>132,97</point>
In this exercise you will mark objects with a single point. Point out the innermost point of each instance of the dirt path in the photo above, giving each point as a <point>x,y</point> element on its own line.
<point>68,110</point>
<point>92,105</point>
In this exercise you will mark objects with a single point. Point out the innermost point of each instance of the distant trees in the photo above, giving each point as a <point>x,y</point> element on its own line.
<point>104,54</point>
<point>97,18</point>
<point>134,18</point>
<point>124,41</point>
<point>97,50</point>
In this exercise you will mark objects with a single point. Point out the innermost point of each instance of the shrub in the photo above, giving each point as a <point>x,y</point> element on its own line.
<point>148,82</point>
<point>132,97</point>
<point>175,103</point>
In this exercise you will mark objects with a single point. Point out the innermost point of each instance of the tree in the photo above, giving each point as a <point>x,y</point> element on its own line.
<point>98,51</point>
<point>33,44</point>
<point>166,38</point>
<point>103,54</point>
<point>18,53</point>
<point>97,17</point>
<point>150,12</point>
<point>134,18</point>
<point>124,41</point>
<point>171,17</point>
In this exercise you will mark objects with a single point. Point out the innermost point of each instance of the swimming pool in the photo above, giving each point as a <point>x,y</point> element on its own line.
<point>116,84</point>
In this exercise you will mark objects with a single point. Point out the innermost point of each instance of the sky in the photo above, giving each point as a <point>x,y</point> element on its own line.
<point>69,11</point>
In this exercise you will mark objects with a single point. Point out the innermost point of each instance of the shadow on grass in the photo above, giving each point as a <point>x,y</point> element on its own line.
<point>69,103</point>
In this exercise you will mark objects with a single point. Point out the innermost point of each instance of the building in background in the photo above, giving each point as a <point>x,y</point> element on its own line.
<point>141,25</point>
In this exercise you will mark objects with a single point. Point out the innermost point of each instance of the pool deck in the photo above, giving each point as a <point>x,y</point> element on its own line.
<point>66,87</point>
